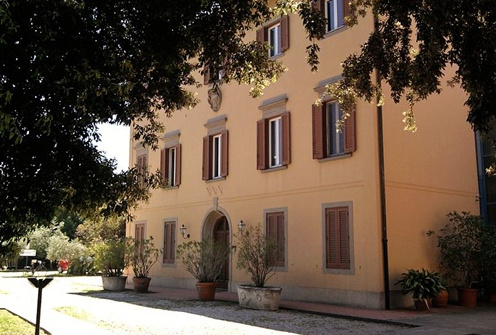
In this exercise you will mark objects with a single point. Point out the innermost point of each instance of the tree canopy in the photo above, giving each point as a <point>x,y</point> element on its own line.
<point>68,65</point>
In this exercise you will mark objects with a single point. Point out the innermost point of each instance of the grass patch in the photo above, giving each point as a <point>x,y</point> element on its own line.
<point>75,312</point>
<point>13,325</point>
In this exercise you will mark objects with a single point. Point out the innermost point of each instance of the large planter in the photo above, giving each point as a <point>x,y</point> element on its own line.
<point>114,283</point>
<point>261,298</point>
<point>141,284</point>
<point>467,297</point>
<point>206,291</point>
<point>422,304</point>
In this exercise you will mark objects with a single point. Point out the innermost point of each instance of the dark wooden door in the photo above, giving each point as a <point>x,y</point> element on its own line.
<point>221,235</point>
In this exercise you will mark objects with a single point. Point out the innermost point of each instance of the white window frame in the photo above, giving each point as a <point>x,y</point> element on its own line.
<point>217,156</point>
<point>172,167</point>
<point>335,140</point>
<point>334,8</point>
<point>274,35</point>
<point>275,142</point>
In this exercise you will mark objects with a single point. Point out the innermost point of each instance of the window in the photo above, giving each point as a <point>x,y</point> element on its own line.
<point>142,166</point>
<point>274,231</point>
<point>277,35</point>
<point>273,142</point>
<point>327,141</point>
<point>215,156</point>
<point>139,236</point>
<point>337,238</point>
<point>169,255</point>
<point>170,164</point>
<point>335,11</point>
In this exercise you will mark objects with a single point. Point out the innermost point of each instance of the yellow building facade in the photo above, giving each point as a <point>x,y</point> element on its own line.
<point>277,161</point>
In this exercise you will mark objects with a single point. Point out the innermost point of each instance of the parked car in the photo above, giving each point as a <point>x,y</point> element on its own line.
<point>63,265</point>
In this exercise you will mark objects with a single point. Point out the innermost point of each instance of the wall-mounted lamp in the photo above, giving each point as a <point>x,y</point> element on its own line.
<point>241,225</point>
<point>183,231</point>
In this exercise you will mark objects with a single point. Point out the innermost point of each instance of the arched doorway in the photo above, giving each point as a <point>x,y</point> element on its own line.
<point>221,235</point>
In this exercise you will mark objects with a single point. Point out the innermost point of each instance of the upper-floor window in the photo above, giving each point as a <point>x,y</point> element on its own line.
<point>273,142</point>
<point>142,166</point>
<point>276,35</point>
<point>215,156</point>
<point>328,140</point>
<point>334,11</point>
<point>170,165</point>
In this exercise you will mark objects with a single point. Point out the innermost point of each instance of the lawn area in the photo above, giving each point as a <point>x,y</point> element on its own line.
<point>13,325</point>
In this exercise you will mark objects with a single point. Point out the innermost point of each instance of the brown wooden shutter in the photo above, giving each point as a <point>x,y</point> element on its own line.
<point>320,5</point>
<point>178,165</point>
<point>262,35</point>
<point>262,145</point>
<point>337,238</point>
<point>349,133</point>
<point>318,131</point>
<point>280,260</point>
<point>163,163</point>
<point>142,167</point>
<point>347,10</point>
<point>284,33</point>
<point>169,242</point>
<point>224,153</point>
<point>286,139</point>
<point>206,75</point>
<point>207,158</point>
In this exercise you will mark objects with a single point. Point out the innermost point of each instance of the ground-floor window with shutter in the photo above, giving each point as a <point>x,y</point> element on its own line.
<point>139,235</point>
<point>275,231</point>
<point>338,240</point>
<point>169,255</point>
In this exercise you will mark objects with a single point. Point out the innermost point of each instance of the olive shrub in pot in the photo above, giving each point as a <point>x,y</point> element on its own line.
<point>256,255</point>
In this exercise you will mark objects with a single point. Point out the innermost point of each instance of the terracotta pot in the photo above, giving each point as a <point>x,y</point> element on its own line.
<point>206,291</point>
<point>441,300</point>
<point>261,298</point>
<point>141,284</point>
<point>114,283</point>
<point>467,297</point>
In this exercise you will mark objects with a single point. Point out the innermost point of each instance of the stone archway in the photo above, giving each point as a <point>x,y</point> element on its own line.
<point>216,225</point>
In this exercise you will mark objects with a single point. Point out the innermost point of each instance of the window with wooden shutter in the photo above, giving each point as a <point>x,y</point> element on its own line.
<point>170,164</point>
<point>275,226</point>
<point>326,140</point>
<point>334,11</point>
<point>337,237</point>
<point>274,142</point>
<point>139,236</point>
<point>276,34</point>
<point>142,165</point>
<point>169,255</point>
<point>215,156</point>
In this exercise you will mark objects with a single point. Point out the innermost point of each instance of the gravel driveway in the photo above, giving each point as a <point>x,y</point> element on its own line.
<point>81,301</point>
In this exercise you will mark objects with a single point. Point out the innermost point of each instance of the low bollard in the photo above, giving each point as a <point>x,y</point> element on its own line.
<point>40,284</point>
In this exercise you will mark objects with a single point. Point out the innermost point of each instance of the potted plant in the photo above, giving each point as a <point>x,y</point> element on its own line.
<point>141,255</point>
<point>256,255</point>
<point>489,261</point>
<point>461,253</point>
<point>110,261</point>
<point>204,260</point>
<point>423,285</point>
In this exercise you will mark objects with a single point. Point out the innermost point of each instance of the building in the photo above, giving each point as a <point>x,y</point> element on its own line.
<point>278,161</point>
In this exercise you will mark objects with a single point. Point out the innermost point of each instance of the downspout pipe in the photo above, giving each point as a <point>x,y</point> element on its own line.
<point>382,188</point>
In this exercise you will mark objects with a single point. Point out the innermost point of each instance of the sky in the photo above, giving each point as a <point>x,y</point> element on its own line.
<point>115,144</point>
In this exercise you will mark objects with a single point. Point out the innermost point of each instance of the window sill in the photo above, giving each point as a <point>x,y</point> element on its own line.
<point>171,187</point>
<point>277,56</point>
<point>277,168</point>
<point>338,271</point>
<point>168,265</point>
<point>335,157</point>
<point>215,179</point>
<point>335,31</point>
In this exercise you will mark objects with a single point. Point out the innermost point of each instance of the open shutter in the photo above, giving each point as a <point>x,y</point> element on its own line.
<point>206,75</point>
<point>262,149</point>
<point>347,10</point>
<point>163,163</point>
<point>344,239</point>
<point>320,5</point>
<point>349,133</point>
<point>178,165</point>
<point>318,131</point>
<point>224,153</point>
<point>286,139</point>
<point>284,33</point>
<point>262,35</point>
<point>207,153</point>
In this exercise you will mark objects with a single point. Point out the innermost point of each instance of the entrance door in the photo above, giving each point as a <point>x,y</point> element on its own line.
<point>221,235</point>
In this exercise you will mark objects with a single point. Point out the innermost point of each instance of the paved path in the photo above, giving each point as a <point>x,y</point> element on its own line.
<point>157,313</point>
